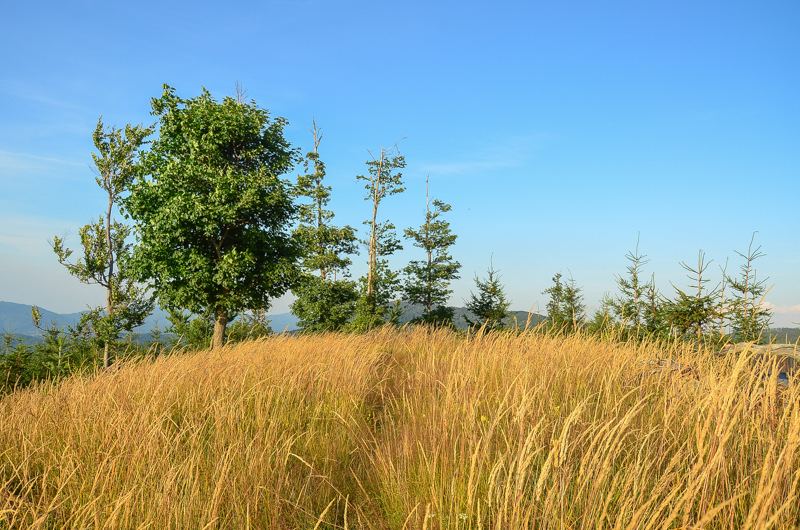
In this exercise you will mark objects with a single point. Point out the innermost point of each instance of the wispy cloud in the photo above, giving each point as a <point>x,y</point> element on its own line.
<point>509,152</point>
<point>35,93</point>
<point>10,160</point>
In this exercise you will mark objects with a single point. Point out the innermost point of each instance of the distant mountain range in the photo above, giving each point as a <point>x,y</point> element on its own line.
<point>16,319</point>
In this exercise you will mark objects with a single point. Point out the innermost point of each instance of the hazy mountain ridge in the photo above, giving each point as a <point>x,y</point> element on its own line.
<point>16,319</point>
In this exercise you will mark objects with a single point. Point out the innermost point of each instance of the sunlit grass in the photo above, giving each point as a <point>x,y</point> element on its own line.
<point>404,429</point>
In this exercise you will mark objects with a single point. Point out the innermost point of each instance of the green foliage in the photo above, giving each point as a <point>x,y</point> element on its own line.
<point>428,282</point>
<point>602,320</point>
<point>379,306</point>
<point>251,325</point>
<point>377,290</point>
<point>693,313</point>
<point>324,305</point>
<point>630,305</point>
<point>325,301</point>
<point>211,211</point>
<point>748,317</point>
<point>565,309</point>
<point>380,283</point>
<point>60,354</point>
<point>105,251</point>
<point>489,306</point>
<point>193,331</point>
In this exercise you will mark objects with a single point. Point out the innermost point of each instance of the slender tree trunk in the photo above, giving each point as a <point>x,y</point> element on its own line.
<point>219,329</point>
<point>323,272</point>
<point>373,239</point>
<point>110,279</point>
<point>428,245</point>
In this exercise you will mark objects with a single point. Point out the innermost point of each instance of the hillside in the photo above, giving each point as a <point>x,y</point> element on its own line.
<point>404,429</point>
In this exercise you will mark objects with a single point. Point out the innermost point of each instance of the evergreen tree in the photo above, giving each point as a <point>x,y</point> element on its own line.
<point>105,250</point>
<point>427,282</point>
<point>565,309</point>
<point>748,317</point>
<point>325,297</point>
<point>602,319</point>
<point>489,306</point>
<point>630,305</point>
<point>691,313</point>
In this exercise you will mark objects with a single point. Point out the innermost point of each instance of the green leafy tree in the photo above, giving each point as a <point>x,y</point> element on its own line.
<point>565,309</point>
<point>489,306</point>
<point>211,211</point>
<point>325,296</point>
<point>380,283</point>
<point>105,250</point>
<point>428,282</point>
<point>747,315</point>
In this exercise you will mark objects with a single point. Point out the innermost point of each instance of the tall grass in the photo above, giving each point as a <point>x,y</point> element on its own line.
<point>404,429</point>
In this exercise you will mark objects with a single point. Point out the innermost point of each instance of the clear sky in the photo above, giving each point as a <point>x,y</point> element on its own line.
<point>558,131</point>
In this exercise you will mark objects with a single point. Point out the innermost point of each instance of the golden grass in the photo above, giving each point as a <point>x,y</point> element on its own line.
<point>403,429</point>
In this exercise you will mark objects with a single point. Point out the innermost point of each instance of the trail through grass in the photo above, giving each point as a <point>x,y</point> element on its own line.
<point>404,429</point>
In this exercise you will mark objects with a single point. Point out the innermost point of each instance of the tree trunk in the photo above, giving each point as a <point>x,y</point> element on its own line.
<point>219,330</point>
<point>110,285</point>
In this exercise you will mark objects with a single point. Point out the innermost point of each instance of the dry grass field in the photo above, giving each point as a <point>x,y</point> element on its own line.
<point>405,429</point>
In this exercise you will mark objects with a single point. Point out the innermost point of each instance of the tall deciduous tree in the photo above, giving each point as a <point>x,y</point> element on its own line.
<point>211,210</point>
<point>489,306</point>
<point>380,283</point>
<point>428,282</point>
<point>104,243</point>
<point>325,297</point>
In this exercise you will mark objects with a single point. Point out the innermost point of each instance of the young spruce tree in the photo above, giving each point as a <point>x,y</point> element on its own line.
<point>428,282</point>
<point>747,315</point>
<point>325,297</point>
<point>489,306</point>
<point>630,305</point>
<point>565,309</point>
<point>691,313</point>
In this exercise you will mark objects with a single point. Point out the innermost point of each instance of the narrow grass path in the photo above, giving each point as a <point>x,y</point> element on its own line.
<point>405,429</point>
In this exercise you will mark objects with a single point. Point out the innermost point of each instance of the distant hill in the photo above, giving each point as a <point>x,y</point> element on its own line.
<point>410,312</point>
<point>785,335</point>
<point>16,318</point>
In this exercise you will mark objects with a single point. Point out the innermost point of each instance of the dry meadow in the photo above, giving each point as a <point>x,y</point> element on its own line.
<point>405,429</point>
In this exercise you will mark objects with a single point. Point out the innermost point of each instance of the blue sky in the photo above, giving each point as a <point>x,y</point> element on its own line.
<point>558,131</point>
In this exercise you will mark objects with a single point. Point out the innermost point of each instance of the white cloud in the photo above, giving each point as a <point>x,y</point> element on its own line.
<point>783,309</point>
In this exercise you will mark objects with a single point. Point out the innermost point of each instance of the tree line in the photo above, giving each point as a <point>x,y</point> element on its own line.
<point>215,231</point>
